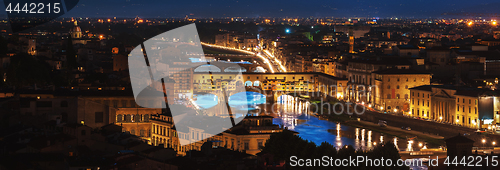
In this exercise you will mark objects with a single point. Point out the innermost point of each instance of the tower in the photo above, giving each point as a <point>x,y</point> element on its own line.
<point>351,40</point>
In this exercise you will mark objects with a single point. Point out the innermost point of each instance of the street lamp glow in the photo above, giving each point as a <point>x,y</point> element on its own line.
<point>420,144</point>
<point>484,141</point>
<point>494,143</point>
<point>287,30</point>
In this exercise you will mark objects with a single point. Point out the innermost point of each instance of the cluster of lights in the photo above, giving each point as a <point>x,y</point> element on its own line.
<point>276,60</point>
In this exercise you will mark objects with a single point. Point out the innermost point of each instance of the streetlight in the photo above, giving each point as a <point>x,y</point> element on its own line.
<point>494,143</point>
<point>484,141</point>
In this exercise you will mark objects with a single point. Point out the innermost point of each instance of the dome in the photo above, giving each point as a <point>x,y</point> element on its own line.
<point>76,28</point>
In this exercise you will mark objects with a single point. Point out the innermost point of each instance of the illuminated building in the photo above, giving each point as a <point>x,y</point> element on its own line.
<point>469,107</point>
<point>76,34</point>
<point>162,132</point>
<point>247,136</point>
<point>392,87</point>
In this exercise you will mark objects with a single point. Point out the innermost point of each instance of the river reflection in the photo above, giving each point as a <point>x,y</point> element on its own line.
<point>316,130</point>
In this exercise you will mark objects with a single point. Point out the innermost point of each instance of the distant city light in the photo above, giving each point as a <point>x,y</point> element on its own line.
<point>287,30</point>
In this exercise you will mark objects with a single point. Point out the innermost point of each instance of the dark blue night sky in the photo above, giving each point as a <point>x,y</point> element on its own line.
<point>279,8</point>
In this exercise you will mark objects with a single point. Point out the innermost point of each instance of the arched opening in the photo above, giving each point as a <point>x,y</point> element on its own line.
<point>248,83</point>
<point>256,83</point>
<point>259,69</point>
<point>239,84</point>
<point>235,69</point>
<point>207,68</point>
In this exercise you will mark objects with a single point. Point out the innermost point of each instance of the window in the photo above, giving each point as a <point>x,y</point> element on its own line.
<point>423,79</point>
<point>115,103</point>
<point>427,103</point>
<point>406,86</point>
<point>413,101</point>
<point>418,94</point>
<point>418,102</point>
<point>246,144</point>
<point>260,143</point>
<point>406,79</point>
<point>397,87</point>
<point>99,117</point>
<point>458,107</point>
<point>469,109</point>
<point>469,101</point>
<point>137,118</point>
<point>119,118</point>
<point>142,132</point>
<point>412,93</point>
<point>397,80</point>
<point>414,79</point>
<point>475,110</point>
<point>388,79</point>
<point>128,118</point>
<point>64,103</point>
<point>388,86</point>
<point>397,96</point>
<point>463,100</point>
<point>406,96</point>
<point>388,96</point>
<point>458,99</point>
